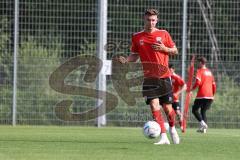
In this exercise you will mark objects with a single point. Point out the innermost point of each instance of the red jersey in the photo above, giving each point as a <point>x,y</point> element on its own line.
<point>154,63</point>
<point>177,84</point>
<point>206,84</point>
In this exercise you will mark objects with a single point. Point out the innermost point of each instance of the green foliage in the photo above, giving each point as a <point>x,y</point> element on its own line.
<point>35,64</point>
<point>227,95</point>
<point>5,52</point>
<point>6,73</point>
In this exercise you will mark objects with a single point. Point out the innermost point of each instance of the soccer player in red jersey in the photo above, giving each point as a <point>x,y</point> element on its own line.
<point>179,86</point>
<point>206,89</point>
<point>153,47</point>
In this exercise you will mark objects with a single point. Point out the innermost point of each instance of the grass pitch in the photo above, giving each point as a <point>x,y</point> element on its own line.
<point>112,143</point>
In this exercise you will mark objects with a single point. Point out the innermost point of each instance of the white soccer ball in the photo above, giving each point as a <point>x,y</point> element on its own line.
<point>151,129</point>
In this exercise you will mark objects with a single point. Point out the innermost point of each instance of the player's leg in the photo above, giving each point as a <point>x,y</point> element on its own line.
<point>195,110</point>
<point>170,113</point>
<point>203,114</point>
<point>155,107</point>
<point>198,103</point>
<point>151,97</point>
<point>206,106</point>
<point>176,106</point>
<point>204,121</point>
<point>166,101</point>
<point>156,113</point>
<point>171,119</point>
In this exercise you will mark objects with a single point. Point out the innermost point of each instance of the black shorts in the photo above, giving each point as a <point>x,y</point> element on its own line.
<point>176,106</point>
<point>202,103</point>
<point>158,88</point>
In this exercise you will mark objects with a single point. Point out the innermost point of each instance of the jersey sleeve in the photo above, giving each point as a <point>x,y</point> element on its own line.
<point>169,42</point>
<point>134,46</point>
<point>198,80</point>
<point>199,76</point>
<point>214,86</point>
<point>180,81</point>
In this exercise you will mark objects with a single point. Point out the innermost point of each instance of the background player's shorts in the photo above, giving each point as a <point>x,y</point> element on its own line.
<point>176,106</point>
<point>158,88</point>
<point>202,103</point>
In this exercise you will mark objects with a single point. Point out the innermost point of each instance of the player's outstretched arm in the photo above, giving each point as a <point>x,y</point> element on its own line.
<point>214,87</point>
<point>197,83</point>
<point>183,88</point>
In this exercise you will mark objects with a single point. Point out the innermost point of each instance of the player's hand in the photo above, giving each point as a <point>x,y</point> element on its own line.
<point>175,94</point>
<point>122,59</point>
<point>189,89</point>
<point>160,47</point>
<point>190,93</point>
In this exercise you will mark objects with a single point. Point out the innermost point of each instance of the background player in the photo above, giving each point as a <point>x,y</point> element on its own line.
<point>154,46</point>
<point>179,86</point>
<point>206,89</point>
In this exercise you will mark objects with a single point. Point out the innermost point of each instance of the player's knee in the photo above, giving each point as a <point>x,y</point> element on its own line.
<point>154,105</point>
<point>193,110</point>
<point>168,108</point>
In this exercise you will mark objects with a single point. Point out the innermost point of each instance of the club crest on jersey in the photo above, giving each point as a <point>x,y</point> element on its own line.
<point>159,39</point>
<point>141,42</point>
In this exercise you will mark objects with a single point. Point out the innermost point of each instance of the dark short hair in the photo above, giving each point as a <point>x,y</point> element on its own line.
<point>171,66</point>
<point>151,12</point>
<point>203,60</point>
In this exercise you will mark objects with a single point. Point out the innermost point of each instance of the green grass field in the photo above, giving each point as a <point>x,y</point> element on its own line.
<point>89,143</point>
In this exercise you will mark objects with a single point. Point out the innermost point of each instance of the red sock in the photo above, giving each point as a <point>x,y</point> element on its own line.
<point>171,118</point>
<point>170,114</point>
<point>159,119</point>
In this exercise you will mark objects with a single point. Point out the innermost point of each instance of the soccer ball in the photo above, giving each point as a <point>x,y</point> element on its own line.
<point>151,129</point>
